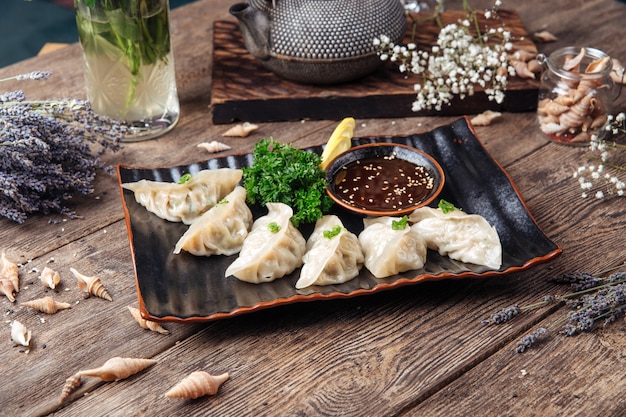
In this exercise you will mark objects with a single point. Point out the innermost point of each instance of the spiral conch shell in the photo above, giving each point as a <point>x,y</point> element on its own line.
<point>147,324</point>
<point>241,130</point>
<point>197,384</point>
<point>118,368</point>
<point>46,305</point>
<point>214,146</point>
<point>70,386</point>
<point>9,270</point>
<point>50,278</point>
<point>20,334</point>
<point>92,285</point>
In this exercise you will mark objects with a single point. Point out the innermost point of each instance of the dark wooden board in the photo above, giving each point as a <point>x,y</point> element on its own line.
<point>244,90</point>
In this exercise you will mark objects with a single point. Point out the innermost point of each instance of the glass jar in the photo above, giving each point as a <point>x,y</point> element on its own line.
<point>128,63</point>
<point>575,94</point>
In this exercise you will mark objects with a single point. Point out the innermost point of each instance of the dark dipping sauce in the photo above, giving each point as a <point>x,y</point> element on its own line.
<point>383,184</point>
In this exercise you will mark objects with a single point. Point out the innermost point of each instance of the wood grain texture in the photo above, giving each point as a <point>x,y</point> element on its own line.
<point>244,90</point>
<point>418,351</point>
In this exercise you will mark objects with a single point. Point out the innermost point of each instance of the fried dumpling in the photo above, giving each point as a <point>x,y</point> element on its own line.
<point>333,256</point>
<point>221,230</point>
<point>391,246</point>
<point>273,248</point>
<point>187,201</point>
<point>461,236</point>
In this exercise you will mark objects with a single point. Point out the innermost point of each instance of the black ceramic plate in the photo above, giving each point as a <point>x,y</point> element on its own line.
<point>188,288</point>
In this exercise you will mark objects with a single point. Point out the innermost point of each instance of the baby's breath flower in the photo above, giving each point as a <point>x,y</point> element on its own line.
<point>606,178</point>
<point>459,61</point>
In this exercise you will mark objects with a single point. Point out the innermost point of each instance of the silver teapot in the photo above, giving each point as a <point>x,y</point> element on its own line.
<point>319,41</point>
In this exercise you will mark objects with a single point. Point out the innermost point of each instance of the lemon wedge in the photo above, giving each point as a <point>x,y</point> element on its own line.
<point>340,141</point>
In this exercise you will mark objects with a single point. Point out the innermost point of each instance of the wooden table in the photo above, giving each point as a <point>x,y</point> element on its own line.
<point>418,351</point>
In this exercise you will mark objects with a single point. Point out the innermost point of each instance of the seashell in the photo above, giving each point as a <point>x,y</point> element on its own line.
<point>522,55</point>
<point>618,74</point>
<point>9,270</point>
<point>197,384</point>
<point>598,121</point>
<point>214,146</point>
<point>521,69</point>
<point>70,386</point>
<point>147,324</point>
<point>50,278</point>
<point>552,128</point>
<point>534,66</point>
<point>550,118</point>
<point>92,285</point>
<point>118,368</point>
<point>582,137</point>
<point>20,334</point>
<point>485,118</point>
<point>565,100</point>
<point>7,288</point>
<point>597,65</point>
<point>573,64</point>
<point>46,305</point>
<point>241,130</point>
<point>551,107</point>
<point>545,36</point>
<point>575,117</point>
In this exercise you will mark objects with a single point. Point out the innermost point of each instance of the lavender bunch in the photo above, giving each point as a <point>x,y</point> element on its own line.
<point>595,299</point>
<point>49,150</point>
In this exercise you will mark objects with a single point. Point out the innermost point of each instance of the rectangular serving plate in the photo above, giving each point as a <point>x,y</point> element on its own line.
<point>187,288</point>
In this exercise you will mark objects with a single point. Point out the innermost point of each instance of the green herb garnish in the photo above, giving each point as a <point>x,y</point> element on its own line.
<point>223,201</point>
<point>400,224</point>
<point>183,179</point>
<point>273,227</point>
<point>329,234</point>
<point>446,207</point>
<point>281,173</point>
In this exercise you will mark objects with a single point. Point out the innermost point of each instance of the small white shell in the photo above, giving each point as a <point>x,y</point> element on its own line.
<point>50,278</point>
<point>485,118</point>
<point>241,130</point>
<point>20,334</point>
<point>214,146</point>
<point>9,270</point>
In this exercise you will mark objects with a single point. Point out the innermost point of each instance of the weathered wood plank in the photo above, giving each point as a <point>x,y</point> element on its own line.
<point>244,90</point>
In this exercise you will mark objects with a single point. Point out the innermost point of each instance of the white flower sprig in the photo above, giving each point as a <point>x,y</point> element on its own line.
<point>462,59</point>
<point>604,175</point>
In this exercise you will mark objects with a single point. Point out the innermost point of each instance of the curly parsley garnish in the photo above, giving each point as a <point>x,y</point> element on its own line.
<point>183,179</point>
<point>273,227</point>
<point>329,234</point>
<point>446,207</point>
<point>400,224</point>
<point>283,174</point>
